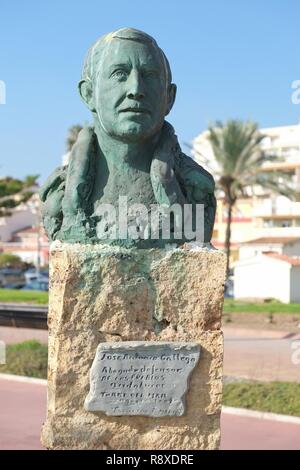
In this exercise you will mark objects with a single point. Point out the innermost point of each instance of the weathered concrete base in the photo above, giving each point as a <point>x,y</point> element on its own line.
<point>100,294</point>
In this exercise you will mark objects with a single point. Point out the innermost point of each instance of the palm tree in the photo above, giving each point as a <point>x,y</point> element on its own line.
<point>238,155</point>
<point>72,136</point>
<point>70,141</point>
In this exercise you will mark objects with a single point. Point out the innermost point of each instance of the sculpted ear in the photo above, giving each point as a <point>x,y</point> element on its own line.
<point>171,97</point>
<point>86,93</point>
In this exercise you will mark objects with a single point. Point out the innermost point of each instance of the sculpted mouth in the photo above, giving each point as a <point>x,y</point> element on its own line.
<point>135,110</point>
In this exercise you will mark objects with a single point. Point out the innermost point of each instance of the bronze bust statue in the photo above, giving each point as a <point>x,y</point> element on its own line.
<point>130,151</point>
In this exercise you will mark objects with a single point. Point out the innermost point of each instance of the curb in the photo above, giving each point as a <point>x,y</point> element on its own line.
<point>225,409</point>
<point>21,378</point>
<point>260,415</point>
<point>239,333</point>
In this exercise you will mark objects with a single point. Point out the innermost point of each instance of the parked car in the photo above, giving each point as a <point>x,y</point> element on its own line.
<point>32,275</point>
<point>45,272</point>
<point>12,278</point>
<point>229,287</point>
<point>39,283</point>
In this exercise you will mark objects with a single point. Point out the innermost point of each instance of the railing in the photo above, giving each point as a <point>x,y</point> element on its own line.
<point>23,315</point>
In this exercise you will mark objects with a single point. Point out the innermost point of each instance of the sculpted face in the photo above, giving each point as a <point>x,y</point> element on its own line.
<point>128,150</point>
<point>131,95</point>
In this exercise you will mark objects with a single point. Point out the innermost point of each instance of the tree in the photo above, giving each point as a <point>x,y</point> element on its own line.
<point>238,153</point>
<point>8,260</point>
<point>14,192</point>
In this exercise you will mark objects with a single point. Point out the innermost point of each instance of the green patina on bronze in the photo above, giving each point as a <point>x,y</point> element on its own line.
<point>130,150</point>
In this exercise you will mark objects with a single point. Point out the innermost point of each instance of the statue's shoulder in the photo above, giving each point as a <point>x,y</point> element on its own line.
<point>187,169</point>
<point>53,182</point>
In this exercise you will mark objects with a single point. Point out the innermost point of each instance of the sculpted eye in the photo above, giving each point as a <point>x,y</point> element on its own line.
<point>150,73</point>
<point>120,74</point>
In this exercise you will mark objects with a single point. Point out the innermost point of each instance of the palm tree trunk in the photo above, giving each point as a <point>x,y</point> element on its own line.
<point>228,236</point>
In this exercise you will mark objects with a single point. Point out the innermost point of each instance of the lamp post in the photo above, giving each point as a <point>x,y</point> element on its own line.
<point>38,260</point>
<point>34,206</point>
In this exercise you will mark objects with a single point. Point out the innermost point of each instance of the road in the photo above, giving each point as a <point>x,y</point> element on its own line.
<point>23,405</point>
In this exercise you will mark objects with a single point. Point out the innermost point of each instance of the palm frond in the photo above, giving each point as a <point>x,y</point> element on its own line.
<point>236,146</point>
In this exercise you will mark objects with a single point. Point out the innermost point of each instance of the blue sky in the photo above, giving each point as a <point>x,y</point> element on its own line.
<point>230,59</point>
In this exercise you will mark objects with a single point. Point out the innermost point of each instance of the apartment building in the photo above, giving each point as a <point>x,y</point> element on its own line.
<point>263,215</point>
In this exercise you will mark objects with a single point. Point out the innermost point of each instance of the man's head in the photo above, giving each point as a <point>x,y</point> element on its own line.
<point>126,83</point>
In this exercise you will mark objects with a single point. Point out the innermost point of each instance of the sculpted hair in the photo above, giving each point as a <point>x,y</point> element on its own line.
<point>95,53</point>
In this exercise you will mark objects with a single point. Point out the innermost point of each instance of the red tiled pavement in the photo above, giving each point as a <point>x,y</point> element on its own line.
<point>22,412</point>
<point>244,433</point>
<point>23,405</point>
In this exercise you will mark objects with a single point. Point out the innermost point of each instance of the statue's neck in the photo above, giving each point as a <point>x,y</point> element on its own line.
<point>120,154</point>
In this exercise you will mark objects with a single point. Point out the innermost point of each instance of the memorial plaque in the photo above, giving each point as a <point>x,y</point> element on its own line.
<point>141,378</point>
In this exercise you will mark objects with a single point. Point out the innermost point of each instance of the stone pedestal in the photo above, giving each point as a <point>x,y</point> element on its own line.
<point>104,294</point>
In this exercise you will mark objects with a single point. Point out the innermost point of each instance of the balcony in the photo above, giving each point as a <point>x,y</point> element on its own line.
<point>278,208</point>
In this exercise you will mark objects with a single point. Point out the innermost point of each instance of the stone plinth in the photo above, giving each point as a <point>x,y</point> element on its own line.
<point>104,294</point>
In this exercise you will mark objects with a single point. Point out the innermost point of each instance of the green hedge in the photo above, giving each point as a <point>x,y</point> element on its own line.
<point>28,358</point>
<point>274,397</point>
<point>30,296</point>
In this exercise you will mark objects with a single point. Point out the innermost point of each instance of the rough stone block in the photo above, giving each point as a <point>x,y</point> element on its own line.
<point>102,294</point>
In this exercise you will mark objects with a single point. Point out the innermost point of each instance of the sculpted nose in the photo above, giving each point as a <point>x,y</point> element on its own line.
<point>135,86</point>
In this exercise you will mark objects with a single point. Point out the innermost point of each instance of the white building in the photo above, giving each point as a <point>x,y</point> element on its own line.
<point>268,276</point>
<point>264,214</point>
<point>22,233</point>
<point>30,244</point>
<point>22,216</point>
<point>289,246</point>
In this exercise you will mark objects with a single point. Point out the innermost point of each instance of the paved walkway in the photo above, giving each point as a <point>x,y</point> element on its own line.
<point>254,354</point>
<point>22,412</point>
<point>243,433</point>
<point>261,355</point>
<point>23,405</point>
<point>10,334</point>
